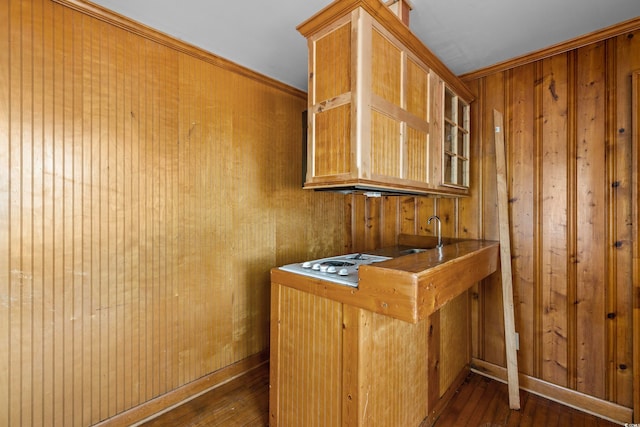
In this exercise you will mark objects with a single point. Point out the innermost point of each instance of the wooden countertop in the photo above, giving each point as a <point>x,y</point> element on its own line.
<point>408,287</point>
<point>411,287</point>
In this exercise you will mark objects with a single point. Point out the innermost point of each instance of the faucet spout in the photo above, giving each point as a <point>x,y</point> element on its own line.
<point>439,232</point>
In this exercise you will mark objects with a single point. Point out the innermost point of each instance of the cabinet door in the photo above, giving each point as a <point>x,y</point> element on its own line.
<point>455,144</point>
<point>399,112</point>
<point>330,153</point>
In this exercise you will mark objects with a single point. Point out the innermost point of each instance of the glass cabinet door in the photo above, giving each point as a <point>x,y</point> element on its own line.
<point>455,159</point>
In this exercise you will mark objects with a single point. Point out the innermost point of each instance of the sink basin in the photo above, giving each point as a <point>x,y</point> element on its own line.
<point>412,251</point>
<point>410,244</point>
<point>425,242</point>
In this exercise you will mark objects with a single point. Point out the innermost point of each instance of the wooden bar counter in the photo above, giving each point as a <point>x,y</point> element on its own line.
<point>360,356</point>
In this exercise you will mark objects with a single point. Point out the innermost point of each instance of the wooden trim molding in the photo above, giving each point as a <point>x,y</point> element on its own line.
<point>574,399</point>
<point>584,40</point>
<point>179,396</point>
<point>127,24</point>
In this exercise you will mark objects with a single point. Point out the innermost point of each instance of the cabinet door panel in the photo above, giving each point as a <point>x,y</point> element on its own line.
<point>417,90</point>
<point>417,155</point>
<point>332,74</point>
<point>386,156</point>
<point>332,154</point>
<point>386,69</point>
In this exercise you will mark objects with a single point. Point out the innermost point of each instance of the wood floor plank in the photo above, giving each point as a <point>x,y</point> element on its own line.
<point>457,405</point>
<point>477,415</point>
<point>479,402</point>
<point>241,402</point>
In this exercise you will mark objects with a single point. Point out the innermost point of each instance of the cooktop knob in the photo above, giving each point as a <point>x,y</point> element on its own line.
<point>331,269</point>
<point>306,264</point>
<point>343,272</point>
<point>323,268</point>
<point>316,266</point>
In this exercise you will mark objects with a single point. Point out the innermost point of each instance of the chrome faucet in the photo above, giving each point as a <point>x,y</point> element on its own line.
<point>439,229</point>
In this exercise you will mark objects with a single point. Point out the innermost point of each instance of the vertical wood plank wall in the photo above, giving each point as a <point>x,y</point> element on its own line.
<point>568,132</point>
<point>145,192</point>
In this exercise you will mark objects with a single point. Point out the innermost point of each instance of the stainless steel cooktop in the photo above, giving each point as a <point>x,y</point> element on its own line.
<point>342,269</point>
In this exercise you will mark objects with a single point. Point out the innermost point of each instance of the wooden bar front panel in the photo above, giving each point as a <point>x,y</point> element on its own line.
<point>333,364</point>
<point>306,369</point>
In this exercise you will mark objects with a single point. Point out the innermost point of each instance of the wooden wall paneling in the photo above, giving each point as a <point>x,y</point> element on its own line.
<point>29,265</point>
<point>435,357</point>
<point>494,98</point>
<point>42,331</point>
<point>221,194</point>
<point>129,194</point>
<point>191,133</point>
<point>390,221</point>
<point>470,212</point>
<point>5,208</point>
<point>522,210</point>
<point>635,215</point>
<point>14,250</point>
<point>373,222</point>
<point>568,121</point>
<point>49,230</point>
<point>611,336</point>
<point>359,222</point>
<point>425,207</point>
<point>554,191</point>
<point>572,215</point>
<point>446,208</point>
<point>61,301</point>
<point>133,231</point>
<point>407,222</point>
<point>454,341</point>
<point>621,133</point>
<point>592,238</point>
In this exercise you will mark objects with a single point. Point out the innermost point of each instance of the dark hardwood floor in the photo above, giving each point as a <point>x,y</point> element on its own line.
<point>483,402</point>
<point>241,402</point>
<point>479,402</point>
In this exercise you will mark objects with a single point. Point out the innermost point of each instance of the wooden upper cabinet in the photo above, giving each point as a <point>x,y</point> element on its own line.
<point>455,157</point>
<point>377,101</point>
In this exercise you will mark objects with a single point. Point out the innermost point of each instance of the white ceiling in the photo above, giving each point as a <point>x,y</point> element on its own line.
<point>466,34</point>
